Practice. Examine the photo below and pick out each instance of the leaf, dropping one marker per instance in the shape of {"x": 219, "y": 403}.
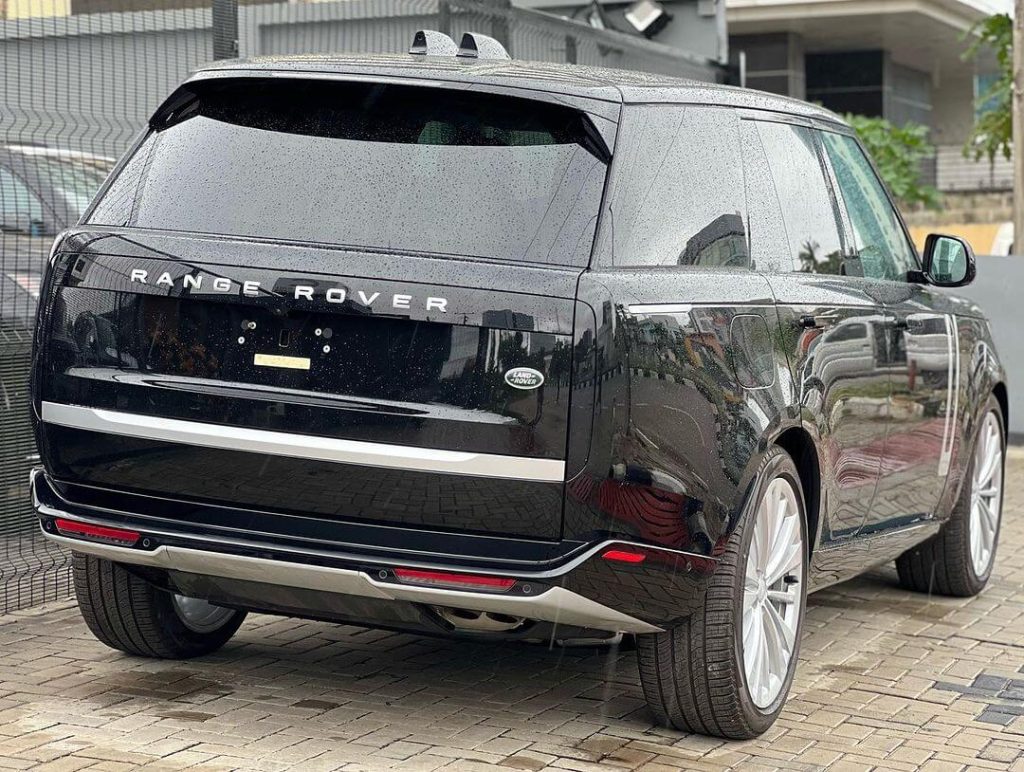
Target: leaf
{"x": 992, "y": 134}
{"x": 899, "y": 152}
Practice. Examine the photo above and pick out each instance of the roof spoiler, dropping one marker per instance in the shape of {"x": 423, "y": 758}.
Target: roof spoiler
{"x": 428, "y": 42}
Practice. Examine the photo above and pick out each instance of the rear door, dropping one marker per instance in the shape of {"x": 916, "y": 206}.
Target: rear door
{"x": 832, "y": 322}
{"x": 921, "y": 337}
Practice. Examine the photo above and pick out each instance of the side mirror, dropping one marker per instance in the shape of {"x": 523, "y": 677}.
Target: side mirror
{"x": 948, "y": 261}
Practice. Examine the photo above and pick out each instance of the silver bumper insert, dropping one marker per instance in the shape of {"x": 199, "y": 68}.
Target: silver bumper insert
{"x": 305, "y": 446}
{"x": 554, "y": 605}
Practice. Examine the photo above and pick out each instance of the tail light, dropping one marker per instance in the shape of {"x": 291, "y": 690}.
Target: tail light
{"x": 453, "y": 581}
{"x": 624, "y": 556}
{"x": 101, "y": 533}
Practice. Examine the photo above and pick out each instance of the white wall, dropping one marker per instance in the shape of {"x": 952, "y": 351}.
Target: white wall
{"x": 952, "y": 106}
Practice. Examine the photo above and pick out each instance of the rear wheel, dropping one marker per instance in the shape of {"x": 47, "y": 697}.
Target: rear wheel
{"x": 726, "y": 671}
{"x": 958, "y": 560}
{"x": 130, "y": 614}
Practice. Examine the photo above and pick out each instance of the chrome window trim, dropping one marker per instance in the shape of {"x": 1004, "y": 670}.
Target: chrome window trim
{"x": 305, "y": 446}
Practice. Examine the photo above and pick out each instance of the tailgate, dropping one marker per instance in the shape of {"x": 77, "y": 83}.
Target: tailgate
{"x": 436, "y": 397}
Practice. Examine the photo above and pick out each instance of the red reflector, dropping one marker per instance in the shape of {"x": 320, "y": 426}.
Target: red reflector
{"x": 444, "y": 579}
{"x": 96, "y": 532}
{"x": 625, "y": 557}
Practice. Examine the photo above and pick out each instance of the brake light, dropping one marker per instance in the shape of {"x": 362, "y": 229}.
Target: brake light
{"x": 445, "y": 579}
{"x": 101, "y": 533}
{"x": 624, "y": 556}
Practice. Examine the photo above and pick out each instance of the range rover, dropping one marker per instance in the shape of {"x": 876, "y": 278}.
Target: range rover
{"x": 451, "y": 344}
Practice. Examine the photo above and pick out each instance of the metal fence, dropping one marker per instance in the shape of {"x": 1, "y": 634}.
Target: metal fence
{"x": 78, "y": 79}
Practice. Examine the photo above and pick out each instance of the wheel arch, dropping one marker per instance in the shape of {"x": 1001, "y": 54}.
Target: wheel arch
{"x": 1002, "y": 395}
{"x": 799, "y": 444}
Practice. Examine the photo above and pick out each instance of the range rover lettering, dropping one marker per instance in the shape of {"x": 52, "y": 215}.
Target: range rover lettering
{"x": 457, "y": 345}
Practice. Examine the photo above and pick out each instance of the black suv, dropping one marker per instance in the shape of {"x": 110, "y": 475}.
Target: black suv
{"x": 451, "y": 344}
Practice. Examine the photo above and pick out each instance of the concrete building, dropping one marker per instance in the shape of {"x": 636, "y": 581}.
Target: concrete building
{"x": 898, "y": 59}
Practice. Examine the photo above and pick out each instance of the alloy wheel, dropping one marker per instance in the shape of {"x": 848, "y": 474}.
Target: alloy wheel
{"x": 986, "y": 494}
{"x": 772, "y": 593}
{"x": 200, "y": 616}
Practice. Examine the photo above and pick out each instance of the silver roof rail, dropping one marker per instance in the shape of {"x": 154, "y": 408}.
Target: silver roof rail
{"x": 477, "y": 46}
{"x": 430, "y": 42}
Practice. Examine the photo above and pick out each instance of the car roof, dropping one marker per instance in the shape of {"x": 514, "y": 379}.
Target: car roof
{"x": 592, "y": 82}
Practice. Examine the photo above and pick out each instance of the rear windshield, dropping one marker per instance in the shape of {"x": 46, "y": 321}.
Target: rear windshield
{"x": 371, "y": 165}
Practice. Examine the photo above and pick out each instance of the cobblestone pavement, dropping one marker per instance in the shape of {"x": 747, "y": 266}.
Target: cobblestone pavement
{"x": 887, "y": 679}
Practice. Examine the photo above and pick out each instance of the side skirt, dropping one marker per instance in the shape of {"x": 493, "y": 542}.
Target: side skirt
{"x": 852, "y": 557}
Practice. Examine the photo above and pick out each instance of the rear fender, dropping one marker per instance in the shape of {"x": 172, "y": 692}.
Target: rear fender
{"x": 692, "y": 385}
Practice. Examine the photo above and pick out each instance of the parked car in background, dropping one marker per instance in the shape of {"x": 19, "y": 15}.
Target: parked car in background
{"x": 458, "y": 345}
{"x": 43, "y": 190}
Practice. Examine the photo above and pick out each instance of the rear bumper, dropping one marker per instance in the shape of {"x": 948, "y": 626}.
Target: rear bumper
{"x": 651, "y": 591}
{"x": 553, "y": 604}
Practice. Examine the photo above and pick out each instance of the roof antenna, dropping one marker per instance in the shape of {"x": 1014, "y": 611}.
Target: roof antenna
{"x": 477, "y": 46}
{"x": 430, "y": 42}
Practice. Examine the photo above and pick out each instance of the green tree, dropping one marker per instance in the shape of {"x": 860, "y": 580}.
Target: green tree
{"x": 898, "y": 153}
{"x": 993, "y": 130}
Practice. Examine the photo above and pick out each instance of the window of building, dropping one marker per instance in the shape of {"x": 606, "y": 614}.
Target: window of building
{"x": 983, "y": 102}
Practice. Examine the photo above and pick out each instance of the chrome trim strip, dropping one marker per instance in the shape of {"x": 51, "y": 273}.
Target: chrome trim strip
{"x": 661, "y": 308}
{"x": 684, "y": 308}
{"x": 576, "y": 558}
{"x": 306, "y": 446}
{"x": 952, "y": 393}
{"x": 554, "y": 605}
{"x": 293, "y": 396}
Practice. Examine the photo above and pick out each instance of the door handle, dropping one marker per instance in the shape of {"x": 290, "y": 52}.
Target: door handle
{"x": 901, "y": 323}
{"x": 815, "y": 321}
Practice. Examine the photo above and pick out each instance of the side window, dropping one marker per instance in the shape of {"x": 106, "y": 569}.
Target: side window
{"x": 20, "y": 210}
{"x": 881, "y": 244}
{"x": 769, "y": 242}
{"x": 804, "y": 234}
{"x": 676, "y": 197}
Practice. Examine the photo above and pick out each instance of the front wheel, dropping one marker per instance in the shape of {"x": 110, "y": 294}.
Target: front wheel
{"x": 726, "y": 671}
{"x": 130, "y": 614}
{"x": 958, "y": 560}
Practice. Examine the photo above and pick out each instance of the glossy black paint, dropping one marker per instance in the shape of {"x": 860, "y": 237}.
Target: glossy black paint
{"x": 665, "y": 383}
{"x": 413, "y": 375}
{"x": 675, "y": 434}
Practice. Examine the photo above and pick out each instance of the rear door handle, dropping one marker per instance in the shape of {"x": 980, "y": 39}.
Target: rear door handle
{"x": 815, "y": 321}
{"x": 901, "y": 323}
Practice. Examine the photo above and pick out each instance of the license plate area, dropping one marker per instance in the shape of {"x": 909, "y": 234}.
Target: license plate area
{"x": 281, "y": 362}
{"x": 290, "y": 349}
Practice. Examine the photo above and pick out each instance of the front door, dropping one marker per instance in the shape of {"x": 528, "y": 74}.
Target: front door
{"x": 923, "y": 410}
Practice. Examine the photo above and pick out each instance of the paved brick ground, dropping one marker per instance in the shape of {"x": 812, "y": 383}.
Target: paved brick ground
{"x": 887, "y": 680}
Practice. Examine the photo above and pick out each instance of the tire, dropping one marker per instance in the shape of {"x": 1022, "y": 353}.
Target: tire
{"x": 132, "y": 615}
{"x": 944, "y": 564}
{"x": 693, "y": 676}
